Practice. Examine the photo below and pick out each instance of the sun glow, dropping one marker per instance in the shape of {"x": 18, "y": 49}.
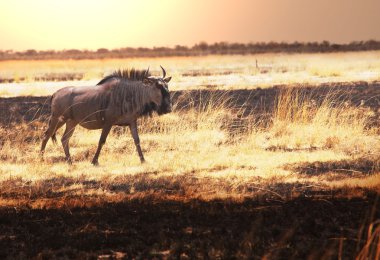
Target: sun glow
{"x": 80, "y": 24}
{"x": 85, "y": 24}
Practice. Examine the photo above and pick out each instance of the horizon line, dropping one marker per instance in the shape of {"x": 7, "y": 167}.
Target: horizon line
{"x": 198, "y": 44}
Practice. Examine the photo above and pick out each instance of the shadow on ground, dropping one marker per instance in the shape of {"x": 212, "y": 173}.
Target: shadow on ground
{"x": 157, "y": 217}
{"x": 146, "y": 228}
{"x": 357, "y": 167}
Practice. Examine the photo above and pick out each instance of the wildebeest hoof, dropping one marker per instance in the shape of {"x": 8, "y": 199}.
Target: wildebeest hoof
{"x": 95, "y": 163}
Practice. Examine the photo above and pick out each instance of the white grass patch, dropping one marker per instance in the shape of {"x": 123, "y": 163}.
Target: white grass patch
{"x": 211, "y": 72}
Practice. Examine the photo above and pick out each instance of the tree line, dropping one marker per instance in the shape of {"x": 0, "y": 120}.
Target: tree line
{"x": 202, "y": 48}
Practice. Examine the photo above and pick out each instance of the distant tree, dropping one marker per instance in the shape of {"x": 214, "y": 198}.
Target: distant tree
{"x": 335, "y": 47}
{"x": 181, "y": 48}
{"x": 325, "y": 43}
{"x": 221, "y": 46}
{"x": 203, "y": 46}
{"x": 72, "y": 51}
{"x": 102, "y": 50}
{"x": 30, "y": 52}
{"x": 143, "y": 49}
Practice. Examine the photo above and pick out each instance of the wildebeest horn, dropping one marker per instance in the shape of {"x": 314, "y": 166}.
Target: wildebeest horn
{"x": 163, "y": 71}
{"x": 146, "y": 73}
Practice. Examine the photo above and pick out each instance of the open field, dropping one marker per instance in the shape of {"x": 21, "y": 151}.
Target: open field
{"x": 40, "y": 78}
{"x": 279, "y": 161}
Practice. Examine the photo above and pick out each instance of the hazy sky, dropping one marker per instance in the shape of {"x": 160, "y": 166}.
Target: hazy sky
{"x": 90, "y": 24}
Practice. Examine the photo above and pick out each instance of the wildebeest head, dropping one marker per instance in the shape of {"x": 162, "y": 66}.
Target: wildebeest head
{"x": 160, "y": 95}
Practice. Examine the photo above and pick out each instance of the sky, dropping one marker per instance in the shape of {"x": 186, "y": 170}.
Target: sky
{"x": 90, "y": 24}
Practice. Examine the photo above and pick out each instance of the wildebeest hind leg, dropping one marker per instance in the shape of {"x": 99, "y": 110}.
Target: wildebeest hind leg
{"x": 61, "y": 122}
{"x": 70, "y": 127}
{"x": 102, "y": 140}
{"x": 54, "y": 124}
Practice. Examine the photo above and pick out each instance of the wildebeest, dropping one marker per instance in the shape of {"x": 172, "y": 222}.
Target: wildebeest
{"x": 118, "y": 99}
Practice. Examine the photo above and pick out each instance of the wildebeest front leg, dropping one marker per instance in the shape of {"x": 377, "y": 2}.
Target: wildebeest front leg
{"x": 102, "y": 140}
{"x": 136, "y": 139}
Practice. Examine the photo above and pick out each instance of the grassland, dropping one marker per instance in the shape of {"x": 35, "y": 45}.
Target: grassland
{"x": 240, "y": 168}
{"x": 204, "y": 72}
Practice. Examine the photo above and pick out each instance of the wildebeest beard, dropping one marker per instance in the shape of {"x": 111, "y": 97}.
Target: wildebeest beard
{"x": 162, "y": 109}
{"x": 151, "y": 107}
{"x": 165, "y": 106}
{"x": 148, "y": 109}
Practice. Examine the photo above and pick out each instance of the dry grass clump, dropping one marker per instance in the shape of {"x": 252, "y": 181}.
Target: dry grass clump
{"x": 307, "y": 120}
{"x": 371, "y": 248}
{"x": 210, "y": 112}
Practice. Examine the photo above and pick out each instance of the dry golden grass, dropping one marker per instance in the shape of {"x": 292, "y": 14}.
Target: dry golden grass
{"x": 191, "y": 153}
{"x": 302, "y": 121}
{"x": 371, "y": 248}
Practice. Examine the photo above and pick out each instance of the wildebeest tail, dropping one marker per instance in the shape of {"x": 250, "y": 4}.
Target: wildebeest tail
{"x": 53, "y": 137}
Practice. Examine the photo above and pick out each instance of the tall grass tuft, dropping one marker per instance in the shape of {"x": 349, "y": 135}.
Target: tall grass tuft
{"x": 304, "y": 119}
{"x": 371, "y": 249}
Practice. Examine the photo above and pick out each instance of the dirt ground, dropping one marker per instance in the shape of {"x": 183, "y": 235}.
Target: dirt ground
{"x": 309, "y": 223}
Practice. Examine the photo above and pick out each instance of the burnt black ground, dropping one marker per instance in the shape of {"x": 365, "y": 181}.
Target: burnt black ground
{"x": 295, "y": 229}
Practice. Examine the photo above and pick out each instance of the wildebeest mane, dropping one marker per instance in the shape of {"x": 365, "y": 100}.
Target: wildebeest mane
{"x": 127, "y": 74}
{"x": 128, "y": 95}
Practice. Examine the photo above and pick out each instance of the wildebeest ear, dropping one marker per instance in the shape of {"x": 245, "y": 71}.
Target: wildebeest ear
{"x": 146, "y": 74}
{"x": 167, "y": 79}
